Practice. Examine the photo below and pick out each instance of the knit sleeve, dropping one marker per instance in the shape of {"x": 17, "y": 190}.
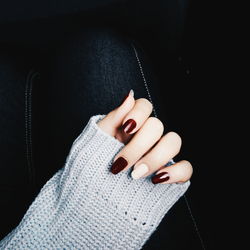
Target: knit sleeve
{"x": 85, "y": 206}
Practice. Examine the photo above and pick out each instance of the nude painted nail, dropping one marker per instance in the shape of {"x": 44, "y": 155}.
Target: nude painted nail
{"x": 139, "y": 171}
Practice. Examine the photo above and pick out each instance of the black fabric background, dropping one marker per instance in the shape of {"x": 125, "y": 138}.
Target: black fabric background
{"x": 184, "y": 47}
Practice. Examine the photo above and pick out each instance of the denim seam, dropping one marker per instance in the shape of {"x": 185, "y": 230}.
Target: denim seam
{"x": 28, "y": 124}
{"x": 149, "y": 96}
{"x": 144, "y": 79}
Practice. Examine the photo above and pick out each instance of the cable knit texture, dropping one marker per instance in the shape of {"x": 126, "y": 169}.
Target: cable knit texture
{"x": 85, "y": 206}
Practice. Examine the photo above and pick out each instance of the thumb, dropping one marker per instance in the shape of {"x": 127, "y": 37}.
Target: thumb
{"x": 113, "y": 120}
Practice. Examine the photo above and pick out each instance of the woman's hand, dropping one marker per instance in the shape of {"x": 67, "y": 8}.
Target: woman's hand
{"x": 146, "y": 147}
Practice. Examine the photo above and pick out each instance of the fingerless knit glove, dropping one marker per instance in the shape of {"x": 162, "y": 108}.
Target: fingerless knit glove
{"x": 85, "y": 206}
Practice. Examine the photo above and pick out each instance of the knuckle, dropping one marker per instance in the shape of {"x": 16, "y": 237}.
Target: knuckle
{"x": 113, "y": 115}
{"x": 176, "y": 137}
{"x": 157, "y": 123}
{"x": 146, "y": 103}
{"x": 187, "y": 169}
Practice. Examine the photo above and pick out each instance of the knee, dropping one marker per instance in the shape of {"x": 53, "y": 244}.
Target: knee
{"x": 101, "y": 45}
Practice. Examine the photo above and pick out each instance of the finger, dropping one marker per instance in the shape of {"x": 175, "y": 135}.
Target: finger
{"x": 137, "y": 116}
{"x": 150, "y": 132}
{"x": 168, "y": 147}
{"x": 113, "y": 120}
{"x": 176, "y": 173}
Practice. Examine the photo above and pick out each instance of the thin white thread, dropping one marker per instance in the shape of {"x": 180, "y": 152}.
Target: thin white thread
{"x": 194, "y": 222}
{"x": 28, "y": 123}
{"x": 144, "y": 80}
{"x": 186, "y": 201}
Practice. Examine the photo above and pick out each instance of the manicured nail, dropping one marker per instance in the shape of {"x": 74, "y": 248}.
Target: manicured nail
{"x": 131, "y": 92}
{"x": 161, "y": 177}
{"x": 139, "y": 171}
{"x": 129, "y": 125}
{"x": 118, "y": 165}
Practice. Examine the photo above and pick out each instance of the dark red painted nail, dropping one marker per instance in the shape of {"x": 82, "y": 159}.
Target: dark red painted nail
{"x": 129, "y": 125}
{"x": 118, "y": 165}
{"x": 161, "y": 177}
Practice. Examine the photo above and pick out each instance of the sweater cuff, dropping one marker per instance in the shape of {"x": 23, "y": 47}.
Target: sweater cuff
{"x": 92, "y": 137}
{"x": 92, "y": 144}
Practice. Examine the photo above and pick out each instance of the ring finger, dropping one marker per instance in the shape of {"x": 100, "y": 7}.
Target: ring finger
{"x": 168, "y": 147}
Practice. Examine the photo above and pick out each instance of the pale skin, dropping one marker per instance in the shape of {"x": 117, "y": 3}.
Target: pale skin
{"x": 146, "y": 148}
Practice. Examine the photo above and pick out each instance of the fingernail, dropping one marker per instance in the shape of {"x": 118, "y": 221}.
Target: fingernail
{"x": 161, "y": 177}
{"x": 139, "y": 171}
{"x": 118, "y": 165}
{"x": 131, "y": 92}
{"x": 129, "y": 125}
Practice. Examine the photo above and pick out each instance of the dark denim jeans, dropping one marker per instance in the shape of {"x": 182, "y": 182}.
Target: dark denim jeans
{"x": 43, "y": 108}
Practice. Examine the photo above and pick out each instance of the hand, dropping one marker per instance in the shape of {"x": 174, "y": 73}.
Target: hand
{"x": 145, "y": 145}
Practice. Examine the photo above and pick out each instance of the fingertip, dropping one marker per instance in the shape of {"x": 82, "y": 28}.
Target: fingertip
{"x": 179, "y": 172}
{"x": 114, "y": 118}
{"x": 132, "y": 93}
{"x": 129, "y": 95}
{"x": 127, "y": 104}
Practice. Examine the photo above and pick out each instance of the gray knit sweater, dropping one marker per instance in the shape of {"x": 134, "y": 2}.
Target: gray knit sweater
{"x": 85, "y": 206}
